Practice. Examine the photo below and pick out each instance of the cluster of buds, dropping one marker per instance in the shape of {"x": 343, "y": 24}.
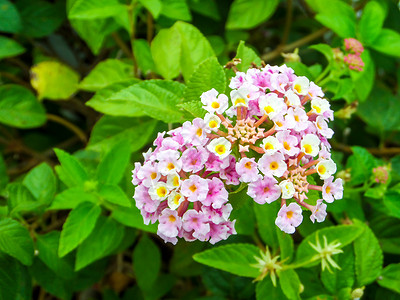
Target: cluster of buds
{"x": 264, "y": 138}
{"x": 354, "y": 50}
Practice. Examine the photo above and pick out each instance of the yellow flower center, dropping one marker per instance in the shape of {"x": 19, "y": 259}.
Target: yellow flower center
{"x": 170, "y": 166}
{"x": 268, "y": 109}
{"x": 297, "y": 87}
{"x": 328, "y": 189}
{"x": 172, "y": 219}
{"x": 268, "y": 146}
{"x": 286, "y": 146}
{"x": 215, "y": 105}
{"x": 297, "y": 118}
{"x": 289, "y": 214}
{"x": 317, "y": 108}
{"x": 220, "y": 149}
{"x": 161, "y": 191}
{"x": 153, "y": 175}
{"x": 213, "y": 124}
{"x": 248, "y": 165}
{"x": 175, "y": 181}
{"x": 240, "y": 100}
{"x": 176, "y": 199}
{"x": 308, "y": 149}
{"x": 321, "y": 169}
{"x": 199, "y": 132}
{"x": 274, "y": 165}
{"x": 193, "y": 188}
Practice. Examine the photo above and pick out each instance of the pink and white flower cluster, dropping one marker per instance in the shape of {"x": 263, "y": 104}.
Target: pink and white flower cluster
{"x": 272, "y": 134}
{"x": 354, "y": 50}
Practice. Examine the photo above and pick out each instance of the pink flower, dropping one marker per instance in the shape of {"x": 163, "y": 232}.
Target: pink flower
{"x": 196, "y": 221}
{"x": 229, "y": 174}
{"x": 170, "y": 223}
{"x": 289, "y": 142}
{"x": 195, "y": 188}
{"x": 169, "y": 162}
{"x": 193, "y": 159}
{"x": 289, "y": 217}
{"x": 354, "y": 62}
{"x": 332, "y": 190}
{"x": 218, "y": 215}
{"x": 212, "y": 103}
{"x": 264, "y": 190}
{"x": 195, "y": 133}
{"x": 217, "y": 194}
{"x": 319, "y": 212}
{"x": 148, "y": 174}
{"x": 247, "y": 170}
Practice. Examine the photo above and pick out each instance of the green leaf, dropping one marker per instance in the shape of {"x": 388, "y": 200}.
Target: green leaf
{"x": 265, "y": 290}
{"x": 246, "y": 14}
{"x": 369, "y": 257}
{"x": 146, "y": 262}
{"x": 364, "y": 81}
{"x": 391, "y": 201}
{"x": 20, "y": 108}
{"x": 300, "y": 69}
{"x": 113, "y": 165}
{"x": 40, "y": 18}
{"x": 3, "y": 174}
{"x": 176, "y": 10}
{"x": 71, "y": 198}
{"x": 114, "y": 194}
{"x": 109, "y": 131}
{"x": 16, "y": 241}
{"x": 106, "y": 73}
{"x": 182, "y": 263}
{"x": 143, "y": 56}
{"x": 166, "y": 52}
{"x": 247, "y": 55}
{"x": 206, "y": 8}
{"x": 21, "y": 201}
{"x": 371, "y": 22}
{"x": 387, "y": 42}
{"x": 266, "y": 215}
{"x": 156, "y": 98}
{"x": 10, "y": 21}
{"x": 290, "y": 283}
{"x": 377, "y": 111}
{"x": 115, "y": 107}
{"x": 78, "y": 226}
{"x": 179, "y": 48}
{"x": 153, "y": 6}
{"x": 47, "y": 246}
{"x": 209, "y": 74}
{"x": 390, "y": 278}
{"x": 344, "y": 234}
{"x": 42, "y": 183}
{"x": 194, "y": 107}
{"x": 286, "y": 245}
{"x": 234, "y": 258}
{"x": 95, "y": 9}
{"x": 344, "y": 278}
{"x": 104, "y": 238}
{"x": 53, "y": 80}
{"x": 15, "y": 280}
{"x": 361, "y": 164}
{"x": 71, "y": 171}
{"x": 338, "y": 16}
{"x": 131, "y": 217}
{"x": 326, "y": 50}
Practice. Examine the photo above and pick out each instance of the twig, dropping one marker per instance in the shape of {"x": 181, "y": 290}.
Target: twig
{"x": 124, "y": 47}
{"x": 75, "y": 129}
{"x": 288, "y": 22}
{"x": 305, "y": 40}
{"x": 150, "y": 27}
{"x": 374, "y": 151}
{"x": 15, "y": 79}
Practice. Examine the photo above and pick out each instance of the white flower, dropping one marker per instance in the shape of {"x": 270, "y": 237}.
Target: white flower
{"x": 220, "y": 146}
{"x": 310, "y": 144}
{"x": 326, "y": 168}
{"x": 175, "y": 199}
{"x": 271, "y": 145}
{"x": 159, "y": 191}
{"x": 287, "y": 188}
{"x": 319, "y": 105}
{"x": 292, "y": 98}
{"x": 301, "y": 85}
{"x": 212, "y": 121}
{"x": 271, "y": 105}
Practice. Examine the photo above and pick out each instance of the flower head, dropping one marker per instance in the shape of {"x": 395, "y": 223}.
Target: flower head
{"x": 325, "y": 253}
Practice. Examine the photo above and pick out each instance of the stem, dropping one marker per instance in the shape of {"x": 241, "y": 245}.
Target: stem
{"x": 315, "y": 187}
{"x": 259, "y": 122}
{"x": 288, "y": 22}
{"x": 124, "y": 47}
{"x": 150, "y": 27}
{"x": 75, "y": 129}
{"x": 257, "y": 149}
{"x": 323, "y": 74}
{"x": 269, "y": 132}
{"x": 132, "y": 23}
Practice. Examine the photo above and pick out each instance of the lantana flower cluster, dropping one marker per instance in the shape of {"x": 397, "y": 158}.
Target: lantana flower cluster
{"x": 271, "y": 135}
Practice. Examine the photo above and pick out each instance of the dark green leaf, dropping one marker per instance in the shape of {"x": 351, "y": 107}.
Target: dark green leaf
{"x": 182, "y": 263}
{"x": 104, "y": 238}
{"x": 176, "y": 10}
{"x": 16, "y": 241}
{"x": 246, "y": 14}
{"x": 95, "y": 9}
{"x": 364, "y": 81}
{"x": 41, "y": 182}
{"x": 10, "y": 21}
{"x": 206, "y": 8}
{"x": 78, "y": 226}
{"x": 286, "y": 245}
{"x": 153, "y": 6}
{"x": 21, "y": 201}
{"x": 3, "y": 174}
{"x": 266, "y": 215}
{"x": 265, "y": 290}
{"x": 235, "y": 258}
{"x": 194, "y": 107}
{"x": 361, "y": 164}
{"x": 20, "y": 108}
{"x": 71, "y": 198}
{"x": 15, "y": 280}
{"x": 143, "y": 56}
{"x": 131, "y": 217}
{"x": 392, "y": 202}
{"x": 146, "y": 263}
{"x": 390, "y": 277}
